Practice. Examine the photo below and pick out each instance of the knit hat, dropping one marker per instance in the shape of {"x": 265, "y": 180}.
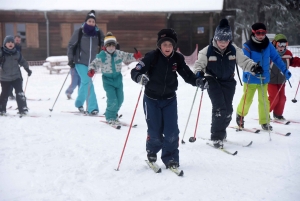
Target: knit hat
{"x": 91, "y": 14}
{"x": 280, "y": 38}
{"x": 167, "y": 35}
{"x": 258, "y": 26}
{"x": 223, "y": 31}
{"x": 110, "y": 38}
{"x": 7, "y": 39}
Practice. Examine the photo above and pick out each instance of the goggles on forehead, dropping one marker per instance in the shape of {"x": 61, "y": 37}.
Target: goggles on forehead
{"x": 259, "y": 32}
{"x": 282, "y": 44}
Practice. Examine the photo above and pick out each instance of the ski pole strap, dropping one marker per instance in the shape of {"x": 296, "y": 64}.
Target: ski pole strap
{"x": 237, "y": 69}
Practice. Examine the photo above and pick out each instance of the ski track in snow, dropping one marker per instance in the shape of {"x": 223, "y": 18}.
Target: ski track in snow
{"x": 67, "y": 157}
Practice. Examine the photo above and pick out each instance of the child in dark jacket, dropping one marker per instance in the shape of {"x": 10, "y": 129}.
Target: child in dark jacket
{"x": 276, "y": 86}
{"x": 10, "y": 75}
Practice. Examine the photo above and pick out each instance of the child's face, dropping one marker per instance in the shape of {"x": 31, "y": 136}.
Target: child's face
{"x": 260, "y": 34}
{"x": 280, "y": 46}
{"x": 166, "y": 48}
{"x": 9, "y": 45}
{"x": 222, "y": 44}
{"x": 91, "y": 22}
{"x": 17, "y": 40}
{"x": 110, "y": 47}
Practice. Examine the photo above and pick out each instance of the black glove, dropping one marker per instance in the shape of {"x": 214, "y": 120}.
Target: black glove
{"x": 29, "y": 72}
{"x": 257, "y": 69}
{"x": 71, "y": 64}
{"x": 142, "y": 79}
{"x": 201, "y": 83}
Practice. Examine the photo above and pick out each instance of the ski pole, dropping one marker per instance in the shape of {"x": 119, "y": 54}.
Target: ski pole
{"x": 266, "y": 112}
{"x": 295, "y": 100}
{"x": 277, "y": 94}
{"x": 26, "y": 85}
{"x": 182, "y": 141}
{"x": 129, "y": 129}
{"x": 59, "y": 92}
{"x": 240, "y": 124}
{"x": 193, "y": 139}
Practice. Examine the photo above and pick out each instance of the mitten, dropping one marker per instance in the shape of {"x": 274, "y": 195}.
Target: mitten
{"x": 257, "y": 69}
{"x": 71, "y": 64}
{"x": 287, "y": 74}
{"x": 142, "y": 79}
{"x": 91, "y": 73}
{"x": 137, "y": 55}
{"x": 29, "y": 72}
{"x": 202, "y": 83}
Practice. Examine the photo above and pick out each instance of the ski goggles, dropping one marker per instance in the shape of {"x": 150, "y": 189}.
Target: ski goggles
{"x": 110, "y": 44}
{"x": 259, "y": 32}
{"x": 281, "y": 44}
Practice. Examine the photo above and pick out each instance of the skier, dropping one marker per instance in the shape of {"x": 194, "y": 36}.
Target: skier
{"x": 157, "y": 71}
{"x": 215, "y": 66}
{"x": 110, "y": 62}
{"x": 10, "y": 75}
{"x": 261, "y": 50}
{"x": 276, "y": 86}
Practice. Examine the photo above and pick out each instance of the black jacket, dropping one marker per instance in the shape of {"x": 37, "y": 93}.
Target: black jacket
{"x": 162, "y": 72}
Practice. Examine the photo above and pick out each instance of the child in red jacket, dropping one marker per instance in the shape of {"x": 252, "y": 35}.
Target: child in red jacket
{"x": 277, "y": 80}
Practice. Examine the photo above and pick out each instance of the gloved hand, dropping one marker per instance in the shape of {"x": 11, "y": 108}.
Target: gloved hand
{"x": 91, "y": 73}
{"x": 142, "y": 79}
{"x": 137, "y": 55}
{"x": 201, "y": 83}
{"x": 257, "y": 69}
{"x": 71, "y": 64}
{"x": 287, "y": 74}
{"x": 200, "y": 74}
{"x": 29, "y": 72}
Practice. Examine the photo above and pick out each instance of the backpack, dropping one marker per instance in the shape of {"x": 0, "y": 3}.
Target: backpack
{"x": 79, "y": 40}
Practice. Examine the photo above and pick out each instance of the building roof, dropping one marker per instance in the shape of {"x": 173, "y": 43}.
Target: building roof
{"x": 115, "y": 5}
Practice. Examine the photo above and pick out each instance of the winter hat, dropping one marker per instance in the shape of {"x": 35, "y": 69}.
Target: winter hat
{"x": 167, "y": 35}
{"x": 91, "y": 14}
{"x": 7, "y": 39}
{"x": 110, "y": 38}
{"x": 280, "y": 38}
{"x": 258, "y": 26}
{"x": 223, "y": 31}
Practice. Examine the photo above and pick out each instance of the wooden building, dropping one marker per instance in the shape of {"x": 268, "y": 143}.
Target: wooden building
{"x": 47, "y": 33}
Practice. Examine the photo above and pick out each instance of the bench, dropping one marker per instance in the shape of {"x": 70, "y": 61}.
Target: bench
{"x": 56, "y": 64}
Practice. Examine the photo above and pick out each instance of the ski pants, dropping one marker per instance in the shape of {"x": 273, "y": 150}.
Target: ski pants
{"x": 163, "y": 132}
{"x": 75, "y": 81}
{"x": 86, "y": 90}
{"x": 20, "y": 96}
{"x": 221, "y": 96}
{"x": 277, "y": 104}
{"x": 247, "y": 99}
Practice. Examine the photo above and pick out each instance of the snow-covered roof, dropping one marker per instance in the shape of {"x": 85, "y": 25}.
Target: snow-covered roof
{"x": 115, "y": 5}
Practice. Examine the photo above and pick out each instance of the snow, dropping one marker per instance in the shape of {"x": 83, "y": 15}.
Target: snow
{"x": 57, "y": 59}
{"x": 116, "y": 5}
{"x": 64, "y": 157}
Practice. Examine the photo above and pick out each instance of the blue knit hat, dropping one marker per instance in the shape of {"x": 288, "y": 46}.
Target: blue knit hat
{"x": 223, "y": 31}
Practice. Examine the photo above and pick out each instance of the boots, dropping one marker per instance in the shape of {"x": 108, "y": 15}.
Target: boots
{"x": 240, "y": 121}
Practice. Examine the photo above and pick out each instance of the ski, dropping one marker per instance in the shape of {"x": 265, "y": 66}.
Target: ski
{"x": 126, "y": 124}
{"x": 38, "y": 99}
{"x": 279, "y": 133}
{"x": 87, "y": 114}
{"x": 297, "y": 122}
{"x": 222, "y": 149}
{"x": 244, "y": 129}
{"x": 76, "y": 112}
{"x": 153, "y": 166}
{"x": 231, "y": 142}
{"x": 10, "y": 107}
{"x": 281, "y": 122}
{"x": 177, "y": 171}
{"x": 114, "y": 126}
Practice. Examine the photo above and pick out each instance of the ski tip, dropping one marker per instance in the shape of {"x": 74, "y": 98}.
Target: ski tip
{"x": 159, "y": 170}
{"x": 235, "y": 153}
{"x": 287, "y": 123}
{"x": 181, "y": 173}
{"x": 248, "y": 145}
{"x": 118, "y": 127}
{"x": 257, "y": 131}
{"x": 288, "y": 134}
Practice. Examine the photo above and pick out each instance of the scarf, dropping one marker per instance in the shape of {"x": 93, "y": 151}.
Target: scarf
{"x": 9, "y": 51}
{"x": 89, "y": 30}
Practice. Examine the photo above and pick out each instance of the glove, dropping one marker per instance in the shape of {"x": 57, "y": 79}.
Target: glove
{"x": 200, "y": 74}
{"x": 287, "y": 74}
{"x": 257, "y": 69}
{"x": 91, "y": 73}
{"x": 137, "y": 55}
{"x": 29, "y": 72}
{"x": 71, "y": 64}
{"x": 202, "y": 83}
{"x": 142, "y": 79}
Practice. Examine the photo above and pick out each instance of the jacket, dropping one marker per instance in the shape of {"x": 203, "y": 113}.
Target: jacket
{"x": 162, "y": 74}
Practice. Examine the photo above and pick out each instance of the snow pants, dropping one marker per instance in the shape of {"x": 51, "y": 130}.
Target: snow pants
{"x": 277, "y": 103}
{"x": 221, "y": 96}
{"x": 262, "y": 102}
{"x": 20, "y": 96}
{"x": 75, "y": 81}
{"x": 163, "y": 132}
{"x": 86, "y": 90}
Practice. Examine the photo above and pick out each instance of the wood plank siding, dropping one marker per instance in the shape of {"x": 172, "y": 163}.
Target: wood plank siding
{"x": 132, "y": 29}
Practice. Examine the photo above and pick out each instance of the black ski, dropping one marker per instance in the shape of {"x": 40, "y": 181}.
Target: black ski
{"x": 222, "y": 149}
{"x": 114, "y": 126}
{"x": 153, "y": 166}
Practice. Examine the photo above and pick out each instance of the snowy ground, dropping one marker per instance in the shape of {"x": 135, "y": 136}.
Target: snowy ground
{"x": 73, "y": 158}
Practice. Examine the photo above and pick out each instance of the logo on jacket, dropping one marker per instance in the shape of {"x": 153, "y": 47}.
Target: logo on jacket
{"x": 174, "y": 67}
{"x": 140, "y": 65}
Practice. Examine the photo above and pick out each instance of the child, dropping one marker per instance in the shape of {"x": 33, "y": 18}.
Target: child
{"x": 215, "y": 66}
{"x": 10, "y": 75}
{"x": 276, "y": 85}
{"x": 110, "y": 62}
{"x": 261, "y": 50}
